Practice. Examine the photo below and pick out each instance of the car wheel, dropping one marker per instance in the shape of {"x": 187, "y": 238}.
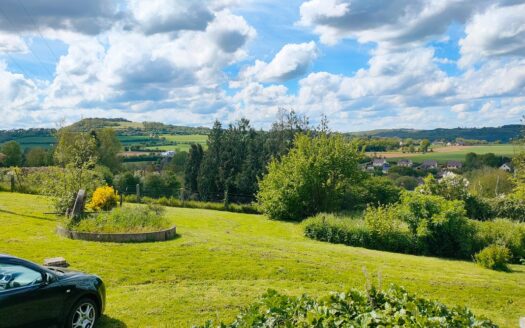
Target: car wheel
{"x": 83, "y": 314}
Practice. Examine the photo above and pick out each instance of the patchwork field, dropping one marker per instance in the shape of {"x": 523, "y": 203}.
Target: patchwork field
{"x": 223, "y": 261}
{"x": 443, "y": 154}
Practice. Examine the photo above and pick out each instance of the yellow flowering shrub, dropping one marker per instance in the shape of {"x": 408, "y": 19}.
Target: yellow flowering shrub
{"x": 104, "y": 198}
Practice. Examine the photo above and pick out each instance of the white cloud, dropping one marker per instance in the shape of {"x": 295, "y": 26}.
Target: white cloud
{"x": 499, "y": 31}
{"x": 292, "y": 61}
{"x": 10, "y": 43}
{"x": 391, "y": 23}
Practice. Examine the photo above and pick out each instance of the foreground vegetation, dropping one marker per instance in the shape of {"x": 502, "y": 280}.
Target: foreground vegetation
{"x": 393, "y": 307}
{"x": 223, "y": 261}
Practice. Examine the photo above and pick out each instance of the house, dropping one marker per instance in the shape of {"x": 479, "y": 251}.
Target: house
{"x": 169, "y": 153}
{"x": 429, "y": 164}
{"x": 454, "y": 165}
{"x": 505, "y": 167}
{"x": 405, "y": 163}
{"x": 385, "y": 168}
{"x": 379, "y": 162}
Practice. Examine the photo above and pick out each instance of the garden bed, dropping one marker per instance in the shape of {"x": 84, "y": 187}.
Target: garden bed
{"x": 161, "y": 235}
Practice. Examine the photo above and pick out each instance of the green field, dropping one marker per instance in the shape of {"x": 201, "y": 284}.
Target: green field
{"x": 183, "y": 142}
{"x": 223, "y": 261}
{"x": 442, "y": 155}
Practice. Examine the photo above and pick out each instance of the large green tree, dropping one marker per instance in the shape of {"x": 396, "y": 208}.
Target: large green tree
{"x": 313, "y": 177}
{"x": 13, "y": 153}
{"x": 191, "y": 172}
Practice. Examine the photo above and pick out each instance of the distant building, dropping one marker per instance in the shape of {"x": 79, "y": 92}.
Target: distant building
{"x": 385, "y": 168}
{"x": 405, "y": 163}
{"x": 454, "y": 165}
{"x": 379, "y": 162}
{"x": 429, "y": 164}
{"x": 169, "y": 153}
{"x": 505, "y": 167}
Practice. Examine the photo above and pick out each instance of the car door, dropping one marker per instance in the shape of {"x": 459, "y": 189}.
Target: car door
{"x": 28, "y": 297}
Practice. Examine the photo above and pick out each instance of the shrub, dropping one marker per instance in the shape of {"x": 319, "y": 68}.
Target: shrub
{"x": 440, "y": 225}
{"x": 104, "y": 198}
{"x": 494, "y": 257}
{"x": 125, "y": 220}
{"x": 502, "y": 232}
{"x": 394, "y": 307}
{"x": 508, "y": 207}
{"x": 372, "y": 191}
{"x": 353, "y": 231}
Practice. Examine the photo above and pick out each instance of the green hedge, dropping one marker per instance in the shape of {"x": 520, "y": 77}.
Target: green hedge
{"x": 175, "y": 202}
{"x": 394, "y": 307}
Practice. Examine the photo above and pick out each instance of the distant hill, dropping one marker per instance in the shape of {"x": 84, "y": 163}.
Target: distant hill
{"x": 505, "y": 133}
{"x": 126, "y": 127}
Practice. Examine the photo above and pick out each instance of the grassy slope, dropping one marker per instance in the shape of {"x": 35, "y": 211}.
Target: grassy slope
{"x": 222, "y": 261}
{"x": 459, "y": 155}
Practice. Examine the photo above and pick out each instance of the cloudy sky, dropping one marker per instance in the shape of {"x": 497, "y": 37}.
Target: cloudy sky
{"x": 365, "y": 64}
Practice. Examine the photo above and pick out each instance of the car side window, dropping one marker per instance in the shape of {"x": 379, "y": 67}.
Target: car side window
{"x": 15, "y": 276}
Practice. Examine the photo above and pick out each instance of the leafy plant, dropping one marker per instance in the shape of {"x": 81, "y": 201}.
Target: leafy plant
{"x": 394, "y": 307}
{"x": 494, "y": 257}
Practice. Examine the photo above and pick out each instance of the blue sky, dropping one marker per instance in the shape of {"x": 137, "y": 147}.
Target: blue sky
{"x": 365, "y": 64}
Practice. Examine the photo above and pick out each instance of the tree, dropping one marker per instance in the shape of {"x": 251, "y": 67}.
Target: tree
{"x": 108, "y": 147}
{"x": 191, "y": 172}
{"x": 13, "y": 153}
{"x": 423, "y": 146}
{"x": 36, "y": 157}
{"x": 311, "y": 178}
{"x": 490, "y": 182}
{"x": 209, "y": 180}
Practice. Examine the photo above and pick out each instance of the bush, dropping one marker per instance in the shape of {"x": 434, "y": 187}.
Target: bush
{"x": 494, "y": 257}
{"x": 104, "y": 198}
{"x": 124, "y": 220}
{"x": 372, "y": 191}
{"x": 394, "y": 307}
{"x": 353, "y": 231}
{"x": 440, "y": 225}
{"x": 508, "y": 207}
{"x": 502, "y": 232}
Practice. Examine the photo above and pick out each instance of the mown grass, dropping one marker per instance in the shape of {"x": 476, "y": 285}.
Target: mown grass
{"x": 223, "y": 261}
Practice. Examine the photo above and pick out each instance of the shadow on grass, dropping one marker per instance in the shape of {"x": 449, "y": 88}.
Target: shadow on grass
{"x": 27, "y": 215}
{"x": 109, "y": 322}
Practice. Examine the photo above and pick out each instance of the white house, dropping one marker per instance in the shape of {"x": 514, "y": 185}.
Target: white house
{"x": 169, "y": 153}
{"x": 405, "y": 163}
{"x": 506, "y": 167}
{"x": 379, "y": 162}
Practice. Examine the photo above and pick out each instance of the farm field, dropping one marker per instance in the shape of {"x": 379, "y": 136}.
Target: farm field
{"x": 183, "y": 142}
{"x": 443, "y": 154}
{"x": 222, "y": 261}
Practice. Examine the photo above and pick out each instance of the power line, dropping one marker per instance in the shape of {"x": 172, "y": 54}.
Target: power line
{"x": 29, "y": 47}
{"x": 31, "y": 18}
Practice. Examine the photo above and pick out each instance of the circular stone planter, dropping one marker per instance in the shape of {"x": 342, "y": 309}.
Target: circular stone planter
{"x": 161, "y": 235}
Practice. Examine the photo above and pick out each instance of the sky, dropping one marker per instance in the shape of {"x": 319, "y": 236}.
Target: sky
{"x": 365, "y": 64}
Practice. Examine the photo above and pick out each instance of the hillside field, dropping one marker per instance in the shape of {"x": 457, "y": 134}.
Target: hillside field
{"x": 223, "y": 261}
{"x": 443, "y": 154}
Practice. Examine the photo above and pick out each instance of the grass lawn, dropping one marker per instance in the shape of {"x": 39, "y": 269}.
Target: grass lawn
{"x": 223, "y": 261}
{"x": 455, "y": 153}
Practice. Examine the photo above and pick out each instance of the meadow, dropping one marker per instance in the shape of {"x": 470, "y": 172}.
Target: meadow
{"x": 443, "y": 154}
{"x": 222, "y": 261}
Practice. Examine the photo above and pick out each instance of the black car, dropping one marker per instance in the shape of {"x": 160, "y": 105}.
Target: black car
{"x": 35, "y": 296}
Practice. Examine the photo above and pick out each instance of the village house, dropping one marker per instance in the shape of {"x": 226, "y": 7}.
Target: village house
{"x": 506, "y": 167}
{"x": 405, "y": 163}
{"x": 379, "y": 162}
{"x": 429, "y": 164}
{"x": 454, "y": 165}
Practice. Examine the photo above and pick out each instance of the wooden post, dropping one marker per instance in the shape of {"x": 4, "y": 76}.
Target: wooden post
{"x": 78, "y": 208}
{"x": 121, "y": 199}
{"x": 138, "y": 193}
{"x": 12, "y": 183}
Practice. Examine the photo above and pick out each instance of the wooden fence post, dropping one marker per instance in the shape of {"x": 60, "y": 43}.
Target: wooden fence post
{"x": 12, "y": 183}
{"x": 138, "y": 193}
{"x": 121, "y": 199}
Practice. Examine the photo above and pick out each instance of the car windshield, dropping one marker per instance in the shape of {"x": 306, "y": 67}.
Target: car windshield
{"x": 14, "y": 276}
